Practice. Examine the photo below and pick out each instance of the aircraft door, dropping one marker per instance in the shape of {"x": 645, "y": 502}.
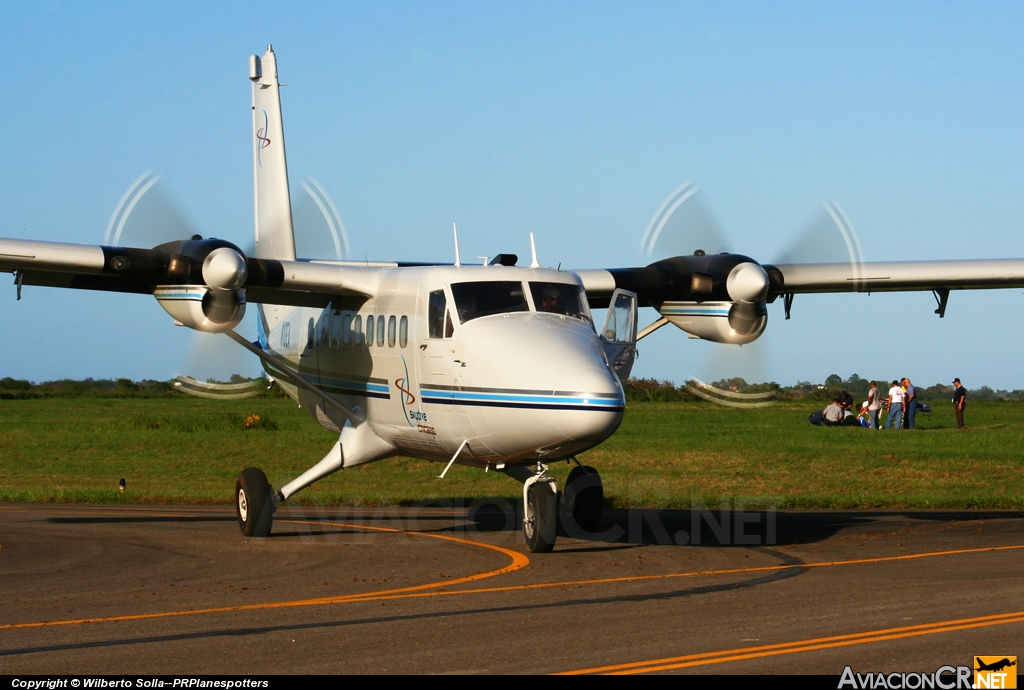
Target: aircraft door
{"x": 618, "y": 335}
{"x": 436, "y": 356}
{"x": 309, "y": 365}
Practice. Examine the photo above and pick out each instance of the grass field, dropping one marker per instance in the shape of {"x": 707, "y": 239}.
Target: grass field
{"x": 184, "y": 450}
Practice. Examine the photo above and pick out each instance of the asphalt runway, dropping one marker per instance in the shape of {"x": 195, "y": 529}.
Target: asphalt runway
{"x": 178, "y": 590}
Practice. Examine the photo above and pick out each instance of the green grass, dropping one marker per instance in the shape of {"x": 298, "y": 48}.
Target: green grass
{"x": 184, "y": 450}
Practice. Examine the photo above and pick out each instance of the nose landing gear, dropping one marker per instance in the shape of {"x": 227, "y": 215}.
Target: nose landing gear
{"x": 540, "y": 511}
{"x": 578, "y": 508}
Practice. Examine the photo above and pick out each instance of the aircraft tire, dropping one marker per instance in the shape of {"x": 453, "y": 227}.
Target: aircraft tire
{"x": 254, "y": 505}
{"x": 583, "y": 500}
{"x": 540, "y": 523}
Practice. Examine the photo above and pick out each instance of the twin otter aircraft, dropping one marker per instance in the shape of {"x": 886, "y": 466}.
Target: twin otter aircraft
{"x": 492, "y": 366}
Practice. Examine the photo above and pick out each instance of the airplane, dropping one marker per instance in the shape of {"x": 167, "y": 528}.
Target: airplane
{"x": 994, "y": 666}
{"x": 494, "y": 366}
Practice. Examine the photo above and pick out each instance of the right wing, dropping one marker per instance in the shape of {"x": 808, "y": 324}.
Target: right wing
{"x": 141, "y": 271}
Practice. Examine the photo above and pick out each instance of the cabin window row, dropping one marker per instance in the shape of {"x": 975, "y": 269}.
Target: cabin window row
{"x": 347, "y": 330}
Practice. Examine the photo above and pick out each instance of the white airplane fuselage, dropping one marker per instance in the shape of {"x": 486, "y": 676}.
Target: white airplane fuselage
{"x": 517, "y": 386}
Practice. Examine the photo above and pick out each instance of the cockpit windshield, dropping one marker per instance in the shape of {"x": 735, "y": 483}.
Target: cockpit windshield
{"x": 559, "y": 298}
{"x": 473, "y": 300}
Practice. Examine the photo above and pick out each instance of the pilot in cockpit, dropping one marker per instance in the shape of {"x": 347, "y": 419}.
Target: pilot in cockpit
{"x": 549, "y": 300}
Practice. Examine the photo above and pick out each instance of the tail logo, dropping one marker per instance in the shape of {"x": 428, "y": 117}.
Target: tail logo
{"x": 261, "y": 136}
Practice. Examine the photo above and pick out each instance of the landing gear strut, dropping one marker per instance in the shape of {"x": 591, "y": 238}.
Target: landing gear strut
{"x": 254, "y": 503}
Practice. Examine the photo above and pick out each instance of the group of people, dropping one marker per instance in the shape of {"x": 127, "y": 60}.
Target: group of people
{"x": 902, "y": 403}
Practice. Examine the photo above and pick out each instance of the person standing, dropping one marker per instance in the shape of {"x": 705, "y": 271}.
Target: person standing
{"x": 874, "y": 405}
{"x": 911, "y": 403}
{"x": 959, "y": 401}
{"x": 896, "y": 396}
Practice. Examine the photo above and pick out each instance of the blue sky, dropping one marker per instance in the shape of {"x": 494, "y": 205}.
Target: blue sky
{"x": 570, "y": 120}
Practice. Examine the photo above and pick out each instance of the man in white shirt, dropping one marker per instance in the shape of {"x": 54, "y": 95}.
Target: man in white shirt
{"x": 896, "y": 396}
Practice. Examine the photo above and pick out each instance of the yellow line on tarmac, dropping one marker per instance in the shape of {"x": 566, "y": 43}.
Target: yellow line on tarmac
{"x": 518, "y": 561}
{"x": 704, "y": 659}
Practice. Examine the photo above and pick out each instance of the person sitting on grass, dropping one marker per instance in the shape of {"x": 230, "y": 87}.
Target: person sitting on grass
{"x": 833, "y": 414}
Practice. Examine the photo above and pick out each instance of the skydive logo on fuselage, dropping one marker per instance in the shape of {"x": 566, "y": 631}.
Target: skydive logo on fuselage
{"x": 995, "y": 672}
{"x": 406, "y": 398}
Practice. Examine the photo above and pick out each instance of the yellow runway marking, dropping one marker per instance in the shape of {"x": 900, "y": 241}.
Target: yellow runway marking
{"x": 518, "y": 561}
{"x": 691, "y": 660}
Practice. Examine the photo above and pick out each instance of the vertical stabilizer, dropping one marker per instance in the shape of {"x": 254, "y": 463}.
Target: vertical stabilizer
{"x": 274, "y": 236}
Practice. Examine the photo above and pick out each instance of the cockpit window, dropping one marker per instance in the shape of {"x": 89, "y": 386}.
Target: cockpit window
{"x": 473, "y": 300}
{"x": 559, "y": 298}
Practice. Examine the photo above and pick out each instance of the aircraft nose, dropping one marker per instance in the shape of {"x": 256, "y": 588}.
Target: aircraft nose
{"x": 551, "y": 371}
{"x": 538, "y": 352}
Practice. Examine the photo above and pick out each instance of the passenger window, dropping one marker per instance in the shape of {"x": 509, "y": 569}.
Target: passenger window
{"x": 403, "y": 332}
{"x": 346, "y": 329}
{"x": 392, "y": 327}
{"x": 369, "y": 330}
{"x": 357, "y": 330}
{"x": 435, "y": 314}
{"x": 380, "y": 331}
{"x": 449, "y": 329}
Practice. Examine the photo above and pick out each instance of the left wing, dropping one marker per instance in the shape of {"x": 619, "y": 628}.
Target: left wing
{"x": 709, "y": 278}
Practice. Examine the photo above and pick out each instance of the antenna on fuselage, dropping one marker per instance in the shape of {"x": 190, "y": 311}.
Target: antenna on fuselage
{"x": 458, "y": 261}
{"x": 533, "y": 251}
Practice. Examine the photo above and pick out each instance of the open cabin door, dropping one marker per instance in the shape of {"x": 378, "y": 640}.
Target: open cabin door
{"x": 618, "y": 336}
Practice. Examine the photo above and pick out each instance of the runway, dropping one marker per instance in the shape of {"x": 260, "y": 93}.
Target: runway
{"x": 178, "y": 590}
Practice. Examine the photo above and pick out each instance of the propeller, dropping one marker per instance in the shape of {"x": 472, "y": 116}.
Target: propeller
{"x": 684, "y": 226}
{"x": 148, "y": 216}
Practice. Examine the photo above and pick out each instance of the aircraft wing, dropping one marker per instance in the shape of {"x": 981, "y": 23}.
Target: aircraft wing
{"x": 141, "y": 271}
{"x": 693, "y": 278}
{"x": 892, "y": 276}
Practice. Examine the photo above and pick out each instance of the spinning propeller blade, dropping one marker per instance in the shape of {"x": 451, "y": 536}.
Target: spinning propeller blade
{"x": 684, "y": 224}
{"x": 147, "y": 216}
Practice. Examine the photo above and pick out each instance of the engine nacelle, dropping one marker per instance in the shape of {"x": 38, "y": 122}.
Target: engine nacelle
{"x": 212, "y": 310}
{"x": 203, "y": 284}
{"x": 735, "y": 323}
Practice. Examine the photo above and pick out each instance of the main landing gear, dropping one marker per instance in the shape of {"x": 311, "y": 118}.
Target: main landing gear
{"x": 254, "y": 502}
{"x": 578, "y": 508}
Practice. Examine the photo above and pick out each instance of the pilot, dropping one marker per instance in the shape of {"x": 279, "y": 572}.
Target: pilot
{"x": 548, "y": 300}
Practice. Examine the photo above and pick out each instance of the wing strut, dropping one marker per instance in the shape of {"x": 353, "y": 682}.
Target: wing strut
{"x": 282, "y": 369}
{"x": 653, "y": 327}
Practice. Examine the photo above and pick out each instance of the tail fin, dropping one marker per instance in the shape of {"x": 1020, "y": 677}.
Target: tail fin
{"x": 275, "y": 238}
